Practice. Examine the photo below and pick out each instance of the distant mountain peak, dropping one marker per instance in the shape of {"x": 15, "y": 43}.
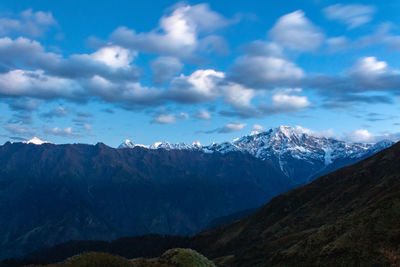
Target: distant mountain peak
{"x": 129, "y": 144}
{"x": 35, "y": 141}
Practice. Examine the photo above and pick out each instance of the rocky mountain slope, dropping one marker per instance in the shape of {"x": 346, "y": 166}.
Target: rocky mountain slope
{"x": 54, "y": 193}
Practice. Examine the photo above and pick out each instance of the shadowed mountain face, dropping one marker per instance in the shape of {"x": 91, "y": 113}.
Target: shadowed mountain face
{"x": 54, "y": 193}
{"x": 347, "y": 218}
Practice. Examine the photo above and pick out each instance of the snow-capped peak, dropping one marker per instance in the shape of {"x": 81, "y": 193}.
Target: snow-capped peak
{"x": 129, "y": 144}
{"x": 35, "y": 141}
{"x": 196, "y": 144}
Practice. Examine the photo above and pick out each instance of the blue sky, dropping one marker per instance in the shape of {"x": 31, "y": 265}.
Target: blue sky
{"x": 105, "y": 71}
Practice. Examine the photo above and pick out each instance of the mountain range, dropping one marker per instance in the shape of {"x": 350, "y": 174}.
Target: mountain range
{"x": 54, "y": 193}
{"x": 300, "y": 155}
{"x": 349, "y": 217}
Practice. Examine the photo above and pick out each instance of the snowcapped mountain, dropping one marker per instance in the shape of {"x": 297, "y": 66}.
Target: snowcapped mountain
{"x": 35, "y": 141}
{"x": 296, "y": 153}
{"x": 163, "y": 145}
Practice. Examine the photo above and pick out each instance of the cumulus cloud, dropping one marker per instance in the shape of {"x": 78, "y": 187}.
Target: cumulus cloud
{"x": 200, "y": 86}
{"x": 164, "y": 68}
{"x": 353, "y": 15}
{"x": 236, "y": 95}
{"x": 130, "y": 95}
{"x": 287, "y": 102}
{"x": 179, "y": 33}
{"x": 361, "y": 135}
{"x": 369, "y": 81}
{"x": 323, "y": 133}
{"x": 28, "y": 23}
{"x": 371, "y": 74}
{"x": 297, "y": 32}
{"x": 37, "y": 84}
{"x": 265, "y": 71}
{"x": 111, "y": 62}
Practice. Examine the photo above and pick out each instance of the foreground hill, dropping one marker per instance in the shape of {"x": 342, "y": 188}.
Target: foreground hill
{"x": 54, "y": 193}
{"x": 177, "y": 257}
{"x": 350, "y": 217}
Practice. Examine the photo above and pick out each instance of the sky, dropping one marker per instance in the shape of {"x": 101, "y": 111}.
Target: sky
{"x": 148, "y": 71}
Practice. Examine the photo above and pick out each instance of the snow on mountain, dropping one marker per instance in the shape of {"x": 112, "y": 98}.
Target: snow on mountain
{"x": 297, "y": 153}
{"x": 129, "y": 144}
{"x": 279, "y": 142}
{"x": 35, "y": 141}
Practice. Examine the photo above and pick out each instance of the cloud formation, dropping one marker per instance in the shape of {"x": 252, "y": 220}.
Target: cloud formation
{"x": 180, "y": 34}
{"x": 353, "y": 15}
{"x": 297, "y": 32}
{"x": 164, "y": 68}
{"x": 28, "y": 22}
{"x": 203, "y": 115}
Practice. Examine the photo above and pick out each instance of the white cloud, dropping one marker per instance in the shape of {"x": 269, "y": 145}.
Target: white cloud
{"x": 203, "y": 115}
{"x": 265, "y": 71}
{"x": 66, "y": 132}
{"x": 353, "y": 15}
{"x": 165, "y": 119}
{"x": 232, "y": 127}
{"x": 258, "y": 127}
{"x": 324, "y": 133}
{"x": 28, "y": 23}
{"x": 361, "y": 135}
{"x": 200, "y": 86}
{"x": 287, "y": 102}
{"x": 36, "y": 84}
{"x": 371, "y": 74}
{"x": 296, "y": 32}
{"x": 114, "y": 56}
{"x": 369, "y": 66}
{"x": 237, "y": 95}
{"x": 178, "y": 33}
{"x": 129, "y": 94}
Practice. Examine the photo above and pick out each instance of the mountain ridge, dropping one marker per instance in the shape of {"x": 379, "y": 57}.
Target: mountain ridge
{"x": 290, "y": 149}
